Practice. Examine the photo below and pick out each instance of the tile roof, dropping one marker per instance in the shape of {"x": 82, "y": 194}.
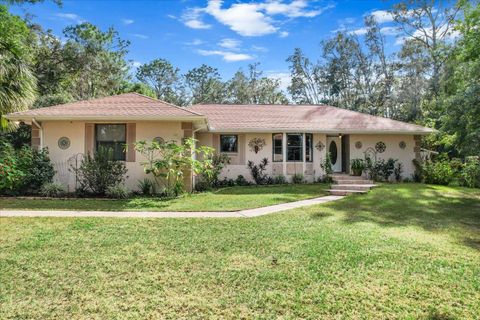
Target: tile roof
{"x": 121, "y": 106}
{"x": 314, "y": 118}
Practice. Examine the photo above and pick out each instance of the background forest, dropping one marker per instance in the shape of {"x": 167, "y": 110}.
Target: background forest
{"x": 433, "y": 80}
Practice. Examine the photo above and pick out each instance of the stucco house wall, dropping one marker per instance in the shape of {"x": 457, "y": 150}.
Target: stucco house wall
{"x": 393, "y": 150}
{"x": 52, "y": 131}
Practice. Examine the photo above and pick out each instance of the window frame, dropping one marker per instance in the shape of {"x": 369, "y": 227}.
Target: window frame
{"x": 236, "y": 143}
{"x": 273, "y": 147}
{"x": 96, "y": 144}
{"x": 309, "y": 148}
{"x": 301, "y": 147}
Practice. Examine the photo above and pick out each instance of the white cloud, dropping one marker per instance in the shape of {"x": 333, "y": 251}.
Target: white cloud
{"x": 382, "y": 16}
{"x": 226, "y": 55}
{"x": 192, "y": 19}
{"x": 139, "y": 35}
{"x": 231, "y": 44}
{"x": 70, "y": 16}
{"x": 259, "y": 48}
{"x": 283, "y": 34}
{"x": 250, "y": 19}
{"x": 284, "y": 77}
{"x": 360, "y": 31}
{"x": 244, "y": 18}
{"x": 390, "y": 31}
{"x": 195, "y": 42}
{"x": 127, "y": 21}
{"x": 136, "y": 64}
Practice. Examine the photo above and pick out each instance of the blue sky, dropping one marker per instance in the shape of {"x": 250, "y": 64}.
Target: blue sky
{"x": 224, "y": 34}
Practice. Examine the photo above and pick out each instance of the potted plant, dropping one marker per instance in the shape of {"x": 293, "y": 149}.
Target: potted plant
{"x": 357, "y": 165}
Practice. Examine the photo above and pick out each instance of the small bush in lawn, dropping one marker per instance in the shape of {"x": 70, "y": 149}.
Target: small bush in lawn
{"x": 298, "y": 178}
{"x": 281, "y": 179}
{"x": 53, "y": 190}
{"x": 146, "y": 187}
{"x": 116, "y": 192}
{"x": 438, "y": 172}
{"x": 397, "y": 171}
{"x": 241, "y": 181}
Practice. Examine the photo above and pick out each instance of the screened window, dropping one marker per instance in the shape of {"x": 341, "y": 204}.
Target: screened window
{"x": 277, "y": 147}
{"x": 294, "y": 147}
{"x": 111, "y": 136}
{"x": 308, "y": 147}
{"x": 228, "y": 143}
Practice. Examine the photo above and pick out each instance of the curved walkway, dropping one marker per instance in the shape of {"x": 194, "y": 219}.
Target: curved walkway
{"x": 250, "y": 213}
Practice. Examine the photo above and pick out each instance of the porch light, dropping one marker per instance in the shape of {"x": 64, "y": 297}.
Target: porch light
{"x": 340, "y": 136}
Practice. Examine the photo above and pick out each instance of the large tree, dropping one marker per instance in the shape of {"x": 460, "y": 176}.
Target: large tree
{"x": 205, "y": 85}
{"x": 17, "y": 82}
{"x": 165, "y": 79}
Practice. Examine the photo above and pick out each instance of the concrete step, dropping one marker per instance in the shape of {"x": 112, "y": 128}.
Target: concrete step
{"x": 345, "y": 192}
{"x": 353, "y": 181}
{"x": 360, "y": 187}
{"x": 346, "y": 177}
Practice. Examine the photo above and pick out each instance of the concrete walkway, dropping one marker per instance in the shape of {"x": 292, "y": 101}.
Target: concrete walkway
{"x": 250, "y": 213}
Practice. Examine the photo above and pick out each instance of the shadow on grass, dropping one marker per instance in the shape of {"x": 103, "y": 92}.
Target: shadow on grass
{"x": 433, "y": 208}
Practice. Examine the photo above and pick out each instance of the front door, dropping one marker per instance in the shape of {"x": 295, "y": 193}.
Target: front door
{"x": 334, "y": 146}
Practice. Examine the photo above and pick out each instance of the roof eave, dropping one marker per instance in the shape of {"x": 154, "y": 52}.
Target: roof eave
{"x": 343, "y": 131}
{"x": 19, "y": 117}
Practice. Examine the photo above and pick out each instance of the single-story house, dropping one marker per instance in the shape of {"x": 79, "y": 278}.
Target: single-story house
{"x": 294, "y": 138}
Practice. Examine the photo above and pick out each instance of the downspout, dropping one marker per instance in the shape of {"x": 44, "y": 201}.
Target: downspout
{"x": 40, "y": 129}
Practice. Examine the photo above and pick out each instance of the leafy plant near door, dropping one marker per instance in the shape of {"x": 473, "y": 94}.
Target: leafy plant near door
{"x": 326, "y": 164}
{"x": 357, "y": 166}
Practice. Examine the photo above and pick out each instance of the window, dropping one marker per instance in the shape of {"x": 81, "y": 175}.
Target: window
{"x": 308, "y": 147}
{"x": 294, "y": 147}
{"x": 111, "y": 136}
{"x": 277, "y": 147}
{"x": 229, "y": 143}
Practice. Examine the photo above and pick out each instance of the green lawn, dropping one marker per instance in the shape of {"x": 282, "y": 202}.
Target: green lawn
{"x": 227, "y": 199}
{"x": 403, "y": 251}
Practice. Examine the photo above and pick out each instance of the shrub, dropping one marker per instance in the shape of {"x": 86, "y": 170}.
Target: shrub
{"x": 116, "y": 192}
{"x": 258, "y": 171}
{"x": 357, "y": 165}
{"x": 381, "y": 169}
{"x": 438, "y": 172}
{"x": 146, "y": 187}
{"x": 325, "y": 179}
{"x": 226, "y": 183}
{"x": 419, "y": 173}
{"x": 281, "y": 179}
{"x": 167, "y": 162}
{"x": 202, "y": 186}
{"x": 216, "y": 165}
{"x": 241, "y": 181}
{"x": 470, "y": 173}
{"x": 24, "y": 171}
{"x": 53, "y": 190}
{"x": 99, "y": 172}
{"x": 397, "y": 171}
{"x": 297, "y": 178}
{"x": 326, "y": 164}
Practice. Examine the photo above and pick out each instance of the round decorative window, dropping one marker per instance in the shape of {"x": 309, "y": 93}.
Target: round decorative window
{"x": 402, "y": 145}
{"x": 64, "y": 143}
{"x": 333, "y": 152}
{"x": 358, "y": 145}
{"x": 159, "y": 140}
{"x": 319, "y": 146}
{"x": 380, "y": 147}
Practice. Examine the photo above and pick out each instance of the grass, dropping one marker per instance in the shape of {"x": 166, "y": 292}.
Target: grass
{"x": 405, "y": 251}
{"x": 227, "y": 199}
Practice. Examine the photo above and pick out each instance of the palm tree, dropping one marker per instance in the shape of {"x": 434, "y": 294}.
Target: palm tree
{"x": 17, "y": 82}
